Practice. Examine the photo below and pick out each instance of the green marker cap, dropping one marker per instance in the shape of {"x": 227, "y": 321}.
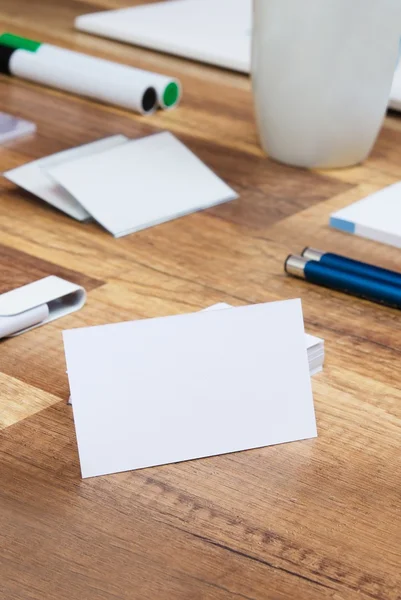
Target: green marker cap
{"x": 170, "y": 95}
{"x": 21, "y": 43}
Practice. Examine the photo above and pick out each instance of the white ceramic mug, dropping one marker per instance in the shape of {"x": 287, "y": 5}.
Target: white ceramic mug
{"x": 321, "y": 73}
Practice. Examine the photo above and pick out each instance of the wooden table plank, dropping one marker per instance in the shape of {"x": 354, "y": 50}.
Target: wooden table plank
{"x": 311, "y": 520}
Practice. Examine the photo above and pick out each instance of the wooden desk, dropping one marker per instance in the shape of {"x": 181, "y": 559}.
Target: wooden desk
{"x": 310, "y": 520}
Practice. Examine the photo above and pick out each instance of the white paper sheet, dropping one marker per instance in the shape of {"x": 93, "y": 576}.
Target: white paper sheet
{"x": 211, "y": 31}
{"x": 33, "y": 177}
{"x": 142, "y": 183}
{"x": 176, "y": 388}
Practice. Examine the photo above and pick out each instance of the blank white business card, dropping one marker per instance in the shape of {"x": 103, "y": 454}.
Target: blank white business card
{"x": 142, "y": 183}
{"x": 314, "y": 345}
{"x": 169, "y": 389}
{"x": 33, "y": 177}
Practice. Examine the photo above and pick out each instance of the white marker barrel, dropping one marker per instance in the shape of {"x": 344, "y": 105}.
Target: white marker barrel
{"x": 168, "y": 89}
{"x": 115, "y": 88}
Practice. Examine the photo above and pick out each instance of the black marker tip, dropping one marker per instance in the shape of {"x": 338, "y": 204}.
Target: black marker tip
{"x": 149, "y": 100}
{"x": 6, "y": 53}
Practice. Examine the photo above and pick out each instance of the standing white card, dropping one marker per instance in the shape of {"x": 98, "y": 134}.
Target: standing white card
{"x": 314, "y": 345}
{"x": 142, "y": 183}
{"x": 176, "y": 388}
{"x": 33, "y": 177}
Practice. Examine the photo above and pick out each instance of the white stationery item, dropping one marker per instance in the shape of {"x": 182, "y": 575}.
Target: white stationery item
{"x": 129, "y": 90}
{"x": 169, "y": 389}
{"x": 376, "y": 217}
{"x": 315, "y": 349}
{"x": 33, "y": 177}
{"x": 12, "y": 127}
{"x": 314, "y": 345}
{"x": 115, "y": 75}
{"x": 211, "y": 31}
{"x": 38, "y": 303}
{"x": 13, "y": 324}
{"x": 141, "y": 183}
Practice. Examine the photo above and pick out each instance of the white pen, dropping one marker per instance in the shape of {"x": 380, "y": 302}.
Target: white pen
{"x": 12, "y": 324}
{"x": 104, "y": 80}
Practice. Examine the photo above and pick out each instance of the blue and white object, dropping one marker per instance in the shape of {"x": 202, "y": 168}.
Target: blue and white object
{"x": 377, "y": 217}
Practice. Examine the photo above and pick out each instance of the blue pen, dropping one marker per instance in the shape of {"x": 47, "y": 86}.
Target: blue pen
{"x": 352, "y": 266}
{"x": 350, "y": 283}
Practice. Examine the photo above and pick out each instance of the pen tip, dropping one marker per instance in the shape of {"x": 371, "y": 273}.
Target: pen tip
{"x": 286, "y": 261}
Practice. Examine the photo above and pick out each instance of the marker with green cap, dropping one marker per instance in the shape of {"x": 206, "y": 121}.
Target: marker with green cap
{"x": 84, "y": 68}
{"x": 20, "y": 43}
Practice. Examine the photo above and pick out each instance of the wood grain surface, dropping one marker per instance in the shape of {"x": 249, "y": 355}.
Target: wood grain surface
{"x": 310, "y": 520}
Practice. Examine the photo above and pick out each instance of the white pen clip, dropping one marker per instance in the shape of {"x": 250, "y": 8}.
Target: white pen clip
{"x": 38, "y": 303}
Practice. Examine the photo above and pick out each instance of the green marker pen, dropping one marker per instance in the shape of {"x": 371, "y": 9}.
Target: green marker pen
{"x": 123, "y": 83}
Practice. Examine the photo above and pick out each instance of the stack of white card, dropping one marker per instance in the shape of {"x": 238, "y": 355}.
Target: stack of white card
{"x": 125, "y": 185}
{"x": 169, "y": 389}
{"x": 315, "y": 349}
{"x": 376, "y": 217}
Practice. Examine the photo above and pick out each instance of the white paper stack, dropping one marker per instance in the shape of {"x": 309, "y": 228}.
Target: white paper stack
{"x": 169, "y": 389}
{"x": 125, "y": 185}
{"x": 315, "y": 349}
